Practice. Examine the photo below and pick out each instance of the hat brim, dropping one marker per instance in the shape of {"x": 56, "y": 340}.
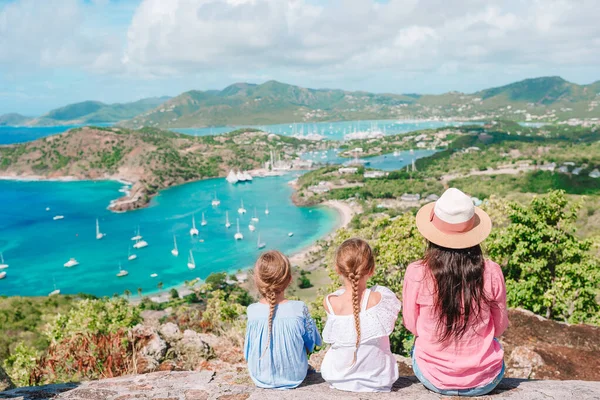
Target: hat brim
{"x": 480, "y": 231}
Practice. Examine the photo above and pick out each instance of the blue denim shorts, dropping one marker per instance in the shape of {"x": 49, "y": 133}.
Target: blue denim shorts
{"x": 477, "y": 391}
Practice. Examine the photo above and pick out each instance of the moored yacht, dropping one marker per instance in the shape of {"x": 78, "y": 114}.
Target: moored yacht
{"x": 122, "y": 272}
{"x": 227, "y": 223}
{"x": 71, "y": 263}
{"x": 175, "y": 251}
{"x": 242, "y": 210}
{"x": 259, "y": 244}
{"x": 255, "y": 217}
{"x": 3, "y": 265}
{"x": 238, "y": 235}
{"x": 251, "y": 227}
{"x": 58, "y": 217}
{"x": 194, "y": 231}
{"x": 191, "y": 263}
{"x": 2, "y": 274}
{"x": 267, "y": 209}
{"x": 137, "y": 235}
{"x": 231, "y": 177}
{"x": 291, "y": 234}
{"x": 99, "y": 235}
{"x": 215, "y": 202}
{"x": 140, "y": 244}
{"x": 130, "y": 256}
{"x": 203, "y": 223}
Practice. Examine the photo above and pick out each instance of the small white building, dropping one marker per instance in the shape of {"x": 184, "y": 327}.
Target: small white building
{"x": 374, "y": 174}
{"x": 548, "y": 167}
{"x": 577, "y": 171}
{"x": 432, "y": 197}
{"x": 595, "y": 174}
{"x": 347, "y": 170}
{"x": 563, "y": 169}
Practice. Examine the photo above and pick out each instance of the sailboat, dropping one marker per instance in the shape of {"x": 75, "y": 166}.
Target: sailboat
{"x": 238, "y": 235}
{"x": 137, "y": 236}
{"x": 191, "y": 263}
{"x": 291, "y": 234}
{"x": 232, "y": 177}
{"x": 58, "y": 217}
{"x": 2, "y": 274}
{"x": 99, "y": 235}
{"x": 215, "y": 201}
{"x": 259, "y": 244}
{"x": 267, "y": 209}
{"x": 193, "y": 231}
{"x": 255, "y": 218}
{"x": 242, "y": 210}
{"x": 71, "y": 263}
{"x": 122, "y": 272}
{"x": 203, "y": 223}
{"x": 55, "y": 291}
{"x": 140, "y": 244}
{"x": 130, "y": 256}
{"x": 227, "y": 223}
{"x": 251, "y": 227}
{"x": 175, "y": 252}
{"x": 2, "y": 264}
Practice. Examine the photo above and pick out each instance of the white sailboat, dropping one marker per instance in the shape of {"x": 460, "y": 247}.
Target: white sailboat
{"x": 58, "y": 217}
{"x": 55, "y": 291}
{"x": 242, "y": 210}
{"x": 216, "y": 202}
{"x": 47, "y": 208}
{"x": 131, "y": 256}
{"x": 122, "y": 272}
{"x": 194, "y": 231}
{"x": 291, "y": 234}
{"x": 3, "y": 265}
{"x": 203, "y": 223}
{"x": 255, "y": 218}
{"x": 175, "y": 251}
{"x": 227, "y": 223}
{"x": 71, "y": 263}
{"x": 137, "y": 236}
{"x": 231, "y": 177}
{"x": 2, "y": 274}
{"x": 238, "y": 235}
{"x": 153, "y": 275}
{"x": 259, "y": 244}
{"x": 140, "y": 244}
{"x": 99, "y": 235}
{"x": 191, "y": 263}
{"x": 251, "y": 227}
{"x": 267, "y": 209}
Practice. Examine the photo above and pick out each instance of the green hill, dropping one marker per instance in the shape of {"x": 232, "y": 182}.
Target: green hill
{"x": 13, "y": 119}
{"x": 275, "y": 102}
{"x": 88, "y": 112}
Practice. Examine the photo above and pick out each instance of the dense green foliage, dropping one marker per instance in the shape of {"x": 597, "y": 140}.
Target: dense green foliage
{"x": 548, "y": 270}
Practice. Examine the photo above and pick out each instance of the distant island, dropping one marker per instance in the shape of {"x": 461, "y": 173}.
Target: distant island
{"x": 545, "y": 99}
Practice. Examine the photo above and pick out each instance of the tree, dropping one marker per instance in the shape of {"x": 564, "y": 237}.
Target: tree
{"x": 159, "y": 286}
{"x": 548, "y": 269}
{"x": 139, "y": 291}
{"x": 303, "y": 281}
{"x": 127, "y": 293}
{"x": 174, "y": 293}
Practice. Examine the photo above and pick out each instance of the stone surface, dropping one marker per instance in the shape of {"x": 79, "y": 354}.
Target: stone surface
{"x": 152, "y": 348}
{"x": 5, "y": 382}
{"x": 522, "y": 362}
{"x": 207, "y": 385}
{"x": 170, "y": 332}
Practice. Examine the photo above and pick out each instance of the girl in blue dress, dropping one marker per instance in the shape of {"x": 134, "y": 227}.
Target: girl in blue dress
{"x": 280, "y": 332}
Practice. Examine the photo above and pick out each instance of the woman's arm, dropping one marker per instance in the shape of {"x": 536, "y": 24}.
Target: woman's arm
{"x": 498, "y": 307}
{"x": 410, "y": 292}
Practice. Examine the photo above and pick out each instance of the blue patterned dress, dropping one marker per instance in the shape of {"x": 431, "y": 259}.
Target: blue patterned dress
{"x": 285, "y": 363}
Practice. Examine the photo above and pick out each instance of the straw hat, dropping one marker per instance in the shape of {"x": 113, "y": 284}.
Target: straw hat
{"x": 453, "y": 221}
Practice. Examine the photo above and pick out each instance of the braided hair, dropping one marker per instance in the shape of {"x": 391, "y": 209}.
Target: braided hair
{"x": 354, "y": 260}
{"x": 272, "y": 275}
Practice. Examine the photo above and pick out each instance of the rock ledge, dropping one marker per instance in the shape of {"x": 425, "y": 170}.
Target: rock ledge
{"x": 207, "y": 385}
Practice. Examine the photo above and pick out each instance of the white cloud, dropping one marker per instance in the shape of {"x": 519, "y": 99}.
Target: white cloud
{"x": 180, "y": 36}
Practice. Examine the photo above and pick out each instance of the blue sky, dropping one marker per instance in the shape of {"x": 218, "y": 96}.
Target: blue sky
{"x": 55, "y": 52}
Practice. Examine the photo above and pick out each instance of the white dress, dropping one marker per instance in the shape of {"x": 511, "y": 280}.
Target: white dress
{"x": 375, "y": 369}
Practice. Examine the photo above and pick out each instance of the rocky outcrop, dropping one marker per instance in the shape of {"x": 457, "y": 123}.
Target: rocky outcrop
{"x": 208, "y": 385}
{"x": 5, "y": 382}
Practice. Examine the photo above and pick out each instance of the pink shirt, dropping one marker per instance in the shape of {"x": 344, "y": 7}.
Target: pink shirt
{"x": 473, "y": 361}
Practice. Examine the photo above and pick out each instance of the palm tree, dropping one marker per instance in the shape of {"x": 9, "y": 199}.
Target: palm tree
{"x": 127, "y": 293}
{"x": 159, "y": 286}
{"x": 139, "y": 290}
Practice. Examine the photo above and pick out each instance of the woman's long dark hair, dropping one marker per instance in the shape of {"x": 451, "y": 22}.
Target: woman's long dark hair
{"x": 459, "y": 293}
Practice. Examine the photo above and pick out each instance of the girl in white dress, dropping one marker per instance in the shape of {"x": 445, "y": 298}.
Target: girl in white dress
{"x": 359, "y": 323}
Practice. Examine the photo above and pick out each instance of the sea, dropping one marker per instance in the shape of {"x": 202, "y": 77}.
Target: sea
{"x": 36, "y": 246}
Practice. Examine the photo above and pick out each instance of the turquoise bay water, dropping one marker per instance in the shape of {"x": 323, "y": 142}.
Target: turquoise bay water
{"x": 20, "y": 134}
{"x": 331, "y": 130}
{"x": 36, "y": 247}
{"x": 385, "y": 162}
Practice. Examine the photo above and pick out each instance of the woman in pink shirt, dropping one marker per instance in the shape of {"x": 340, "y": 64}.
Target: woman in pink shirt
{"x": 455, "y": 301}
